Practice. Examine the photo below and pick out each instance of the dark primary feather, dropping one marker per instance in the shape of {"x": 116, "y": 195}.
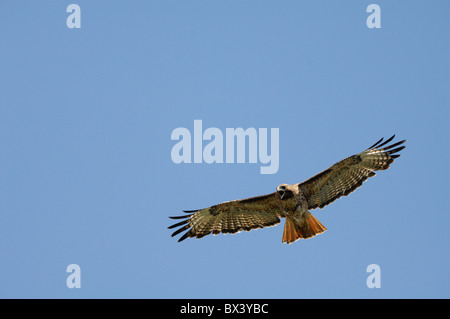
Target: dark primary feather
{"x": 320, "y": 190}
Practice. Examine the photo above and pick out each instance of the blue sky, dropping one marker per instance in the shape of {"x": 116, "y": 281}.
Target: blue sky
{"x": 86, "y": 117}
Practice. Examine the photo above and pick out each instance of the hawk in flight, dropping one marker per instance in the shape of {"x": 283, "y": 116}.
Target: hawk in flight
{"x": 292, "y": 202}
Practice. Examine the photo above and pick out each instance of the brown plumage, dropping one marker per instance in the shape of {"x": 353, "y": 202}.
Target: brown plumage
{"x": 292, "y": 202}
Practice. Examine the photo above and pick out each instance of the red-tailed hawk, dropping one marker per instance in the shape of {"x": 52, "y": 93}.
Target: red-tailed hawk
{"x": 292, "y": 202}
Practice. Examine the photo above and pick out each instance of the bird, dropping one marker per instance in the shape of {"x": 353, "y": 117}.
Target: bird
{"x": 292, "y": 202}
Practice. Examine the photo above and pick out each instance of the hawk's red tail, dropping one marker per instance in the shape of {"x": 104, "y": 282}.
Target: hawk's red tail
{"x": 308, "y": 228}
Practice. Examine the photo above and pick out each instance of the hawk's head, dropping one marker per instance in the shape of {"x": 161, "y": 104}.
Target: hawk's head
{"x": 285, "y": 191}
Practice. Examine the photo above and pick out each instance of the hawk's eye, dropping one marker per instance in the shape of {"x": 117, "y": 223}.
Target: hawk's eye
{"x": 281, "y": 191}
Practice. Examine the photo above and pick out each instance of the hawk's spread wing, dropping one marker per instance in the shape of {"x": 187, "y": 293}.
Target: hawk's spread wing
{"x": 345, "y": 176}
{"x": 230, "y": 217}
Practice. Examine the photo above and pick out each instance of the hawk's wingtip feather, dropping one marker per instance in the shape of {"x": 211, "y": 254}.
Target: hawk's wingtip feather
{"x": 191, "y": 211}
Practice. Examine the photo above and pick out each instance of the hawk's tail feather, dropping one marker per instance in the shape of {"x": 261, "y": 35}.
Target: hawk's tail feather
{"x": 309, "y": 227}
